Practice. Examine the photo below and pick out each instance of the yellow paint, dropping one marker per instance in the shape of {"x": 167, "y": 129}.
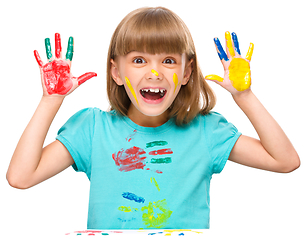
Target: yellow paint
{"x": 155, "y": 73}
{"x": 250, "y": 51}
{"x": 155, "y": 183}
{"x": 169, "y": 231}
{"x": 229, "y": 44}
{"x": 239, "y": 74}
{"x": 214, "y": 77}
{"x": 176, "y": 81}
{"x": 131, "y": 89}
{"x": 153, "y": 219}
{"x": 127, "y": 209}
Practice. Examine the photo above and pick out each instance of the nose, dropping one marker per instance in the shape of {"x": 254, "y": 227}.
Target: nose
{"x": 154, "y": 75}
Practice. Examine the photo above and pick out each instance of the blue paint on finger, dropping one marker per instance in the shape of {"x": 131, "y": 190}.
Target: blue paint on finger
{"x": 221, "y": 53}
{"x": 235, "y": 43}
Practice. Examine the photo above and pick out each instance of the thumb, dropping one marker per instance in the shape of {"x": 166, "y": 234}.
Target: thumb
{"x": 214, "y": 77}
{"x": 81, "y": 79}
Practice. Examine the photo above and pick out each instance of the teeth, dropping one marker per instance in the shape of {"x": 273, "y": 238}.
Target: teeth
{"x": 156, "y": 90}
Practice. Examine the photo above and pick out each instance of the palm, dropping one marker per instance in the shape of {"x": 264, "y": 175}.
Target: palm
{"x": 56, "y": 74}
{"x": 236, "y": 69}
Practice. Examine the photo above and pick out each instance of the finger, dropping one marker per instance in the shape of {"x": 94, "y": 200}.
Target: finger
{"x": 235, "y": 43}
{"x": 85, "y": 77}
{"x": 229, "y": 44}
{"x": 250, "y": 51}
{"x": 70, "y": 49}
{"x": 214, "y": 77}
{"x": 221, "y": 53}
{"x": 38, "y": 58}
{"x": 48, "y": 49}
{"x": 58, "y": 45}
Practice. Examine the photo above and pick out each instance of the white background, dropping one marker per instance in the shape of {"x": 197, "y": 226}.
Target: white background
{"x": 245, "y": 203}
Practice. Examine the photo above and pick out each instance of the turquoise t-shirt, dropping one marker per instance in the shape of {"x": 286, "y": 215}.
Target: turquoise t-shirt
{"x": 143, "y": 178}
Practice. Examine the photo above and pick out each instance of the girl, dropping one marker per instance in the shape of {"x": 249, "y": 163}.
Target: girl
{"x": 150, "y": 159}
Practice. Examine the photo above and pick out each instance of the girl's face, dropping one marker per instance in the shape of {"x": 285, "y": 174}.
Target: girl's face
{"x": 152, "y": 82}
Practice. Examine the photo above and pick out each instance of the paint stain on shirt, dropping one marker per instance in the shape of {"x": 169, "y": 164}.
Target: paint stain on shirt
{"x": 129, "y": 159}
{"x": 156, "y": 214}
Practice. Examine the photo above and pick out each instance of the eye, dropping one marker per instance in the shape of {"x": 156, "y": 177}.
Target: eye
{"x": 139, "y": 60}
{"x": 169, "y": 61}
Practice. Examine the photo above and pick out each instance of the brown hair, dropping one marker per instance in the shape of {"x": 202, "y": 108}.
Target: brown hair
{"x": 159, "y": 30}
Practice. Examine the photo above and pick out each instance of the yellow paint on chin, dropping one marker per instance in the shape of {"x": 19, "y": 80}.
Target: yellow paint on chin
{"x": 155, "y": 73}
{"x": 239, "y": 74}
{"x": 176, "y": 81}
{"x": 229, "y": 44}
{"x": 131, "y": 89}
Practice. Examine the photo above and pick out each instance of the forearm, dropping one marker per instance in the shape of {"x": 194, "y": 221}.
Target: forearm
{"x": 272, "y": 137}
{"x": 28, "y": 152}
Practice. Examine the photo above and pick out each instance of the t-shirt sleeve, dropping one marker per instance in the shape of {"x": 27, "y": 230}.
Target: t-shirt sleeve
{"x": 222, "y": 135}
{"x": 76, "y": 135}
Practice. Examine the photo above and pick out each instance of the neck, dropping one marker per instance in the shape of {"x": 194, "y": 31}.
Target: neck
{"x": 146, "y": 121}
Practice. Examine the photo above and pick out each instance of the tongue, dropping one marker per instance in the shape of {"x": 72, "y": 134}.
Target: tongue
{"x": 152, "y": 95}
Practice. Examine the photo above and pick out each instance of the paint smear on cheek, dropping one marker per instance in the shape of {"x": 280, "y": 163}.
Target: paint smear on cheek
{"x": 176, "y": 81}
{"x": 57, "y": 77}
{"x": 239, "y": 74}
{"x": 131, "y": 89}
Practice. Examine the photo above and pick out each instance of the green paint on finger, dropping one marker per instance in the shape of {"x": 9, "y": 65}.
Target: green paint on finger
{"x": 70, "y": 49}
{"x": 48, "y": 48}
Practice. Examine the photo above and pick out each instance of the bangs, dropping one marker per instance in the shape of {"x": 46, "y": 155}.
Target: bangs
{"x": 153, "y": 31}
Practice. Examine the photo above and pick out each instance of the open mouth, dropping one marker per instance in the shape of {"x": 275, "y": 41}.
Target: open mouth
{"x": 153, "y": 93}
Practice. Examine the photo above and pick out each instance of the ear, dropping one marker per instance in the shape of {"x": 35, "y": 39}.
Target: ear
{"x": 187, "y": 72}
{"x": 115, "y": 72}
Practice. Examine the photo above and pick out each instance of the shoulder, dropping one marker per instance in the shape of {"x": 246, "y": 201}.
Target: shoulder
{"x": 211, "y": 118}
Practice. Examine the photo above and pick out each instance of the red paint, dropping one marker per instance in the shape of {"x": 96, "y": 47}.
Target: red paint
{"x": 158, "y": 171}
{"x": 130, "y": 136}
{"x": 85, "y": 77}
{"x": 38, "y": 58}
{"x": 161, "y": 152}
{"x": 129, "y": 159}
{"x": 57, "y": 77}
{"x": 89, "y": 231}
{"x": 58, "y": 45}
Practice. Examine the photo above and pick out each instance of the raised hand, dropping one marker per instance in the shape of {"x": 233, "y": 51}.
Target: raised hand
{"x": 56, "y": 74}
{"x": 237, "y": 76}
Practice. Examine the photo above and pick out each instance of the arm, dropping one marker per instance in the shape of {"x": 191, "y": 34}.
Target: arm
{"x": 30, "y": 163}
{"x": 273, "y": 152}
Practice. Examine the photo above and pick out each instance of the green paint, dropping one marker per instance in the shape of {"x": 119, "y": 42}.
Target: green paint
{"x": 105, "y": 234}
{"x": 161, "y": 160}
{"x": 79, "y": 234}
{"x": 70, "y": 49}
{"x": 156, "y": 214}
{"x": 156, "y": 143}
{"x": 127, "y": 209}
{"x": 48, "y": 48}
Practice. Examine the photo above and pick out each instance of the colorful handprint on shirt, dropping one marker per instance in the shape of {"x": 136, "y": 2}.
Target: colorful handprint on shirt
{"x": 135, "y": 157}
{"x": 154, "y": 215}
